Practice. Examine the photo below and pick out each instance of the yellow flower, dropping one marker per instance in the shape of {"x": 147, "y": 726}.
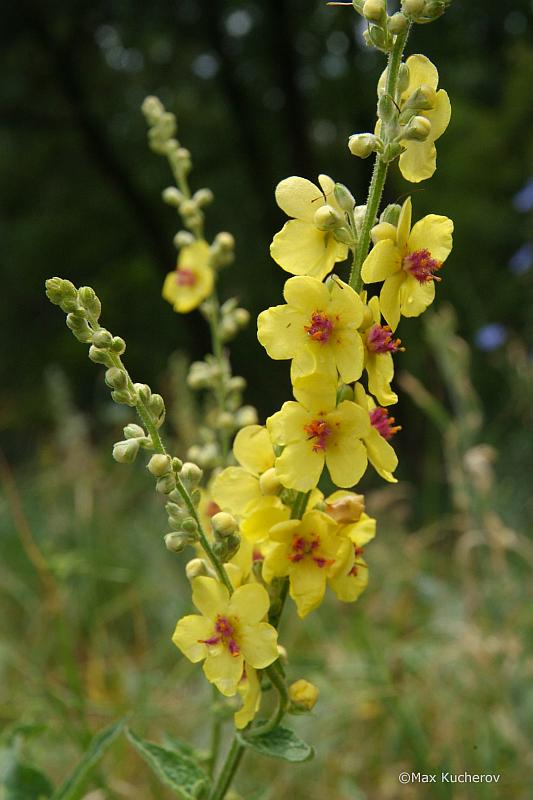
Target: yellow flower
{"x": 419, "y": 159}
{"x": 309, "y": 551}
{"x": 300, "y": 247}
{"x": 379, "y": 347}
{"x": 192, "y": 280}
{"x": 237, "y": 488}
{"x": 230, "y": 633}
{"x": 407, "y": 264}
{"x": 380, "y": 453}
{"x": 351, "y": 579}
{"x": 249, "y": 689}
{"x": 314, "y": 431}
{"x": 317, "y": 328}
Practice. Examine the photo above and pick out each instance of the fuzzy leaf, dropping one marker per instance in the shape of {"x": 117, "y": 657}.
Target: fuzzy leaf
{"x": 279, "y": 743}
{"x": 72, "y": 788}
{"x": 176, "y": 770}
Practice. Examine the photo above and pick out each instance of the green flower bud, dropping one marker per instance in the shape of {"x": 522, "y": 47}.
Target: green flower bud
{"x": 102, "y": 339}
{"x": 423, "y": 98}
{"x": 434, "y": 9}
{"x": 344, "y": 393}
{"x": 236, "y": 384}
{"x": 124, "y": 397}
{"x": 224, "y": 240}
{"x": 165, "y": 484}
{"x": 362, "y": 144}
{"x": 172, "y": 196}
{"x": 247, "y": 415}
{"x": 378, "y": 37}
{"x": 62, "y": 293}
{"x": 227, "y": 329}
{"x": 100, "y": 356}
{"x": 183, "y": 239}
{"x": 203, "y": 197}
{"x": 116, "y": 378}
{"x": 133, "y": 431}
{"x": 344, "y": 197}
{"x": 144, "y": 392}
{"x": 343, "y": 235}
{"x": 89, "y": 300}
{"x": 177, "y": 464}
{"x": 159, "y": 465}
{"x": 232, "y": 542}
{"x": 196, "y": 496}
{"x": 189, "y": 525}
{"x": 79, "y": 327}
{"x": 383, "y": 230}
{"x": 191, "y": 473}
{"x": 118, "y": 345}
{"x": 413, "y": 7}
{"x": 397, "y": 23}
{"x": 241, "y": 317}
{"x": 418, "y": 129}
{"x": 225, "y": 421}
{"x": 152, "y": 108}
{"x": 125, "y": 452}
{"x": 156, "y": 404}
{"x": 391, "y": 151}
{"x": 391, "y": 213}
{"x": 374, "y": 10}
{"x": 327, "y": 218}
{"x": 403, "y": 78}
{"x": 196, "y": 567}
{"x": 224, "y": 524}
{"x": 176, "y": 541}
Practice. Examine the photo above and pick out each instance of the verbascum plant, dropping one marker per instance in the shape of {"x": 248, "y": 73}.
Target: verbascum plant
{"x": 260, "y": 525}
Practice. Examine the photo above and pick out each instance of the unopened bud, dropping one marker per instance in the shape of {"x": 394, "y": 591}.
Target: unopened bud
{"x": 203, "y": 197}
{"x": 89, "y": 300}
{"x": 102, "y": 339}
{"x": 423, "y": 98}
{"x": 417, "y": 129}
{"x": 118, "y": 345}
{"x": 237, "y": 384}
{"x": 302, "y": 694}
{"x": 152, "y": 108}
{"x": 172, "y": 196}
{"x": 195, "y": 567}
{"x": 374, "y": 10}
{"x": 156, "y": 405}
{"x": 327, "y": 218}
{"x": 362, "y": 144}
{"x": 344, "y": 236}
{"x": 397, "y": 23}
{"x": 126, "y": 452}
{"x": 413, "y": 7}
{"x": 190, "y": 526}
{"x": 344, "y": 393}
{"x": 224, "y": 240}
{"x": 247, "y": 415}
{"x": 183, "y": 239}
{"x": 191, "y": 473}
{"x": 344, "y": 197}
{"x": 79, "y": 327}
{"x": 403, "y": 78}
{"x": 269, "y": 483}
{"x": 224, "y": 524}
{"x": 116, "y": 378}
{"x": 347, "y": 509}
{"x": 176, "y": 541}
{"x": 383, "y": 230}
{"x": 143, "y": 391}
{"x": 387, "y": 110}
{"x": 241, "y": 317}
{"x": 391, "y": 213}
{"x": 133, "y": 431}
{"x": 99, "y": 356}
{"x": 62, "y": 293}
{"x": 159, "y": 465}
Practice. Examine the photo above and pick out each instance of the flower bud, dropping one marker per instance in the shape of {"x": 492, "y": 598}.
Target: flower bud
{"x": 344, "y": 197}
{"x": 190, "y": 526}
{"x": 237, "y": 384}
{"x": 227, "y": 329}
{"x": 302, "y": 694}
{"x": 203, "y": 197}
{"x": 343, "y": 235}
{"x": 195, "y": 567}
{"x": 224, "y": 524}
{"x": 226, "y": 547}
{"x": 88, "y": 299}
{"x": 225, "y": 421}
{"x": 241, "y": 317}
{"x": 124, "y": 397}
{"x": 100, "y": 356}
{"x": 165, "y": 484}
{"x": 269, "y": 483}
{"x": 383, "y": 230}
{"x": 143, "y": 391}
{"x": 152, "y": 108}
{"x": 125, "y": 452}
{"x": 159, "y": 465}
{"x": 118, "y": 345}
{"x": 191, "y": 473}
{"x": 403, "y": 78}
{"x": 374, "y": 10}
{"x": 418, "y": 128}
{"x": 172, "y": 196}
{"x": 362, "y": 144}
{"x": 397, "y": 23}
{"x": 413, "y": 7}
{"x": 183, "y": 239}
{"x": 133, "y": 431}
{"x": 79, "y": 327}
{"x": 344, "y": 393}
{"x": 102, "y": 339}
{"x": 247, "y": 415}
{"x": 327, "y": 218}
{"x": 224, "y": 240}
{"x": 196, "y": 496}
{"x": 116, "y": 378}
{"x": 177, "y": 464}
{"x": 62, "y": 293}
{"x": 423, "y": 98}
{"x": 176, "y": 541}
{"x": 156, "y": 405}
{"x": 347, "y": 509}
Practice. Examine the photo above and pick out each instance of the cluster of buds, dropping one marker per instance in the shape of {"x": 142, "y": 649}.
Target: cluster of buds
{"x": 340, "y": 216}
{"x": 230, "y": 317}
{"x": 382, "y": 27}
{"x": 226, "y": 535}
{"x": 135, "y": 438}
{"x": 189, "y": 208}
{"x": 423, "y": 11}
{"x": 177, "y": 480}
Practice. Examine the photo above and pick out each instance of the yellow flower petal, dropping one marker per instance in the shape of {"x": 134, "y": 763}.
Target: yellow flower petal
{"x": 234, "y": 489}
{"x": 381, "y": 455}
{"x": 433, "y": 233}
{"x": 383, "y": 260}
{"x": 280, "y": 330}
{"x": 189, "y": 632}
{"x": 380, "y": 370}
{"x": 250, "y": 603}
{"x": 253, "y": 449}
{"x": 250, "y": 691}
{"x": 349, "y": 355}
{"x": 301, "y": 249}
{"x": 440, "y": 115}
{"x": 287, "y": 424}
{"x": 389, "y": 299}
{"x": 415, "y": 297}
{"x": 419, "y": 160}
{"x": 194, "y": 255}
{"x": 267, "y": 513}
{"x": 209, "y": 596}
{"x": 307, "y": 586}
{"x": 348, "y": 586}
{"x": 224, "y": 670}
{"x": 299, "y": 198}
{"x": 317, "y": 392}
{"x": 259, "y": 644}
{"x": 362, "y": 531}
{"x": 346, "y": 461}
{"x": 299, "y": 467}
{"x": 404, "y": 225}
{"x": 306, "y": 294}
{"x": 421, "y": 71}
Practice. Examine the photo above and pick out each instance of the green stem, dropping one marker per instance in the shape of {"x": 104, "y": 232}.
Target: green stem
{"x": 231, "y": 764}
{"x": 379, "y": 173}
{"x": 216, "y": 732}
{"x": 283, "y": 703}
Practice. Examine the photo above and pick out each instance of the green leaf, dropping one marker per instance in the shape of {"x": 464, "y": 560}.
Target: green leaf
{"x": 73, "y": 787}
{"x": 22, "y": 782}
{"x": 179, "y": 746}
{"x": 278, "y": 743}
{"x": 176, "y": 770}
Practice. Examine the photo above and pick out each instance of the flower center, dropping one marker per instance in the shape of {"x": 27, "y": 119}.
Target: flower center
{"x": 302, "y": 547}
{"x": 225, "y": 633}
{"x": 354, "y": 572}
{"x": 320, "y": 431}
{"x": 383, "y": 423}
{"x": 186, "y": 277}
{"x": 379, "y": 340}
{"x": 320, "y": 328}
{"x": 422, "y": 266}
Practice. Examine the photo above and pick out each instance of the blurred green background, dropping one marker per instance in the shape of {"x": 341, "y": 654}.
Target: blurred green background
{"x": 430, "y": 667}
